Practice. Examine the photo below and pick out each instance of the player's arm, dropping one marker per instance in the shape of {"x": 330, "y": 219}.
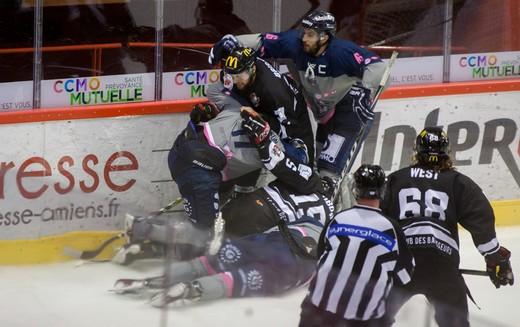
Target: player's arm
{"x": 268, "y": 45}
{"x": 298, "y": 177}
{"x": 476, "y": 216}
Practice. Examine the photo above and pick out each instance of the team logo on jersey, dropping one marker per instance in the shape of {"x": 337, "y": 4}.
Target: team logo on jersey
{"x": 260, "y": 203}
{"x": 255, "y": 281}
{"x": 229, "y": 253}
{"x": 255, "y": 100}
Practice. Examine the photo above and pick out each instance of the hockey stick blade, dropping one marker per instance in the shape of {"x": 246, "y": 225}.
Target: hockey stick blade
{"x": 473, "y": 272}
{"x": 91, "y": 254}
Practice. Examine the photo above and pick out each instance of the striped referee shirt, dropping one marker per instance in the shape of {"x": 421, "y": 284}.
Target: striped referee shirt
{"x": 364, "y": 253}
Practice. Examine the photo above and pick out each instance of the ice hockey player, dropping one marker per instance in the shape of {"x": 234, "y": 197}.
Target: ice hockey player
{"x": 362, "y": 254}
{"x": 197, "y": 163}
{"x": 338, "y": 78}
{"x": 262, "y": 263}
{"x": 274, "y": 95}
{"x": 429, "y": 199}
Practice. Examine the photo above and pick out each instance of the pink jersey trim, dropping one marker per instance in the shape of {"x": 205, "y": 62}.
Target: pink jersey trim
{"x": 323, "y": 120}
{"x": 228, "y": 279}
{"x": 211, "y": 141}
{"x": 207, "y": 266}
{"x": 301, "y": 230}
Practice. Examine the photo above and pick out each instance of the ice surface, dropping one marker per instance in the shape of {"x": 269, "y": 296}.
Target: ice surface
{"x": 74, "y": 294}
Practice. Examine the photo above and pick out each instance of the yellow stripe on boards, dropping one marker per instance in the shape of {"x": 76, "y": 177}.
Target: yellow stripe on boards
{"x": 507, "y": 212}
{"x": 50, "y": 248}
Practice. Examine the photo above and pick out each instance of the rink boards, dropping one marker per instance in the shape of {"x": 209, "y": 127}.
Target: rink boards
{"x": 68, "y": 176}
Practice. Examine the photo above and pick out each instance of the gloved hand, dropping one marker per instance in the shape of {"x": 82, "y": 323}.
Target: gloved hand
{"x": 255, "y": 126}
{"x": 222, "y": 48}
{"x": 498, "y": 267}
{"x": 328, "y": 185}
{"x": 203, "y": 112}
{"x": 361, "y": 103}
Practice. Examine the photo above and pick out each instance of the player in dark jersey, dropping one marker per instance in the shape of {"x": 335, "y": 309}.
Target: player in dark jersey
{"x": 261, "y": 263}
{"x": 429, "y": 198}
{"x": 363, "y": 253}
{"x": 338, "y": 78}
{"x": 196, "y": 163}
{"x": 272, "y": 94}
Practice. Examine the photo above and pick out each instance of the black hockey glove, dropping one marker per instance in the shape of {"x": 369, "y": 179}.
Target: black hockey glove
{"x": 255, "y": 126}
{"x": 203, "y": 112}
{"x": 328, "y": 185}
{"x": 499, "y": 268}
{"x": 222, "y": 48}
{"x": 361, "y": 103}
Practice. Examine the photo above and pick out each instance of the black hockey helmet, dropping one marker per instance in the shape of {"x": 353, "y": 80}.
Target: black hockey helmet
{"x": 369, "y": 182}
{"x": 321, "y": 21}
{"x": 239, "y": 60}
{"x": 432, "y": 144}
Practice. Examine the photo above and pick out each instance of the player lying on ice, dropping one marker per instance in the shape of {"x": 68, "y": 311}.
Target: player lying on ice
{"x": 261, "y": 264}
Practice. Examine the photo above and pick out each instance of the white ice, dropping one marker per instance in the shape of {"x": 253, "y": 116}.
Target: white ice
{"x": 75, "y": 294}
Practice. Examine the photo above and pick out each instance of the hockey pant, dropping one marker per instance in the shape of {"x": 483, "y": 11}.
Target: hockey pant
{"x": 443, "y": 286}
{"x": 199, "y": 189}
{"x": 261, "y": 265}
{"x": 338, "y": 136}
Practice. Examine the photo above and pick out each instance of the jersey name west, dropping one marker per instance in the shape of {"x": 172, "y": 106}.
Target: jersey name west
{"x": 423, "y": 173}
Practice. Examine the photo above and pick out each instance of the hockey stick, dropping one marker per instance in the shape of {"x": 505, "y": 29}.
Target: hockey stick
{"x": 473, "y": 272}
{"x": 363, "y": 133}
{"x": 91, "y": 254}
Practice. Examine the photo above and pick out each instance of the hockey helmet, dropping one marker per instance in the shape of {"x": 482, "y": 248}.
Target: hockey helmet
{"x": 369, "y": 182}
{"x": 432, "y": 144}
{"x": 239, "y": 60}
{"x": 321, "y": 21}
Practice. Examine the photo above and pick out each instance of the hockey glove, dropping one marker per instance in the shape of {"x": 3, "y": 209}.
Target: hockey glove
{"x": 203, "y": 112}
{"x": 255, "y": 126}
{"x": 499, "y": 268}
{"x": 222, "y": 48}
{"x": 361, "y": 103}
{"x": 328, "y": 185}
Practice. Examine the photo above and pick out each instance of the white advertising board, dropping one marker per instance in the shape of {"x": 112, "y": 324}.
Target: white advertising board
{"x": 416, "y": 70}
{"x": 483, "y": 130}
{"x": 82, "y": 91}
{"x": 188, "y": 84}
{"x": 86, "y": 174}
{"x": 485, "y": 66}
{"x": 192, "y": 84}
{"x": 16, "y": 96}
{"x": 62, "y": 176}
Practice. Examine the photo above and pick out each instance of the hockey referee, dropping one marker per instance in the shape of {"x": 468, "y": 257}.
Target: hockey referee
{"x": 362, "y": 253}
